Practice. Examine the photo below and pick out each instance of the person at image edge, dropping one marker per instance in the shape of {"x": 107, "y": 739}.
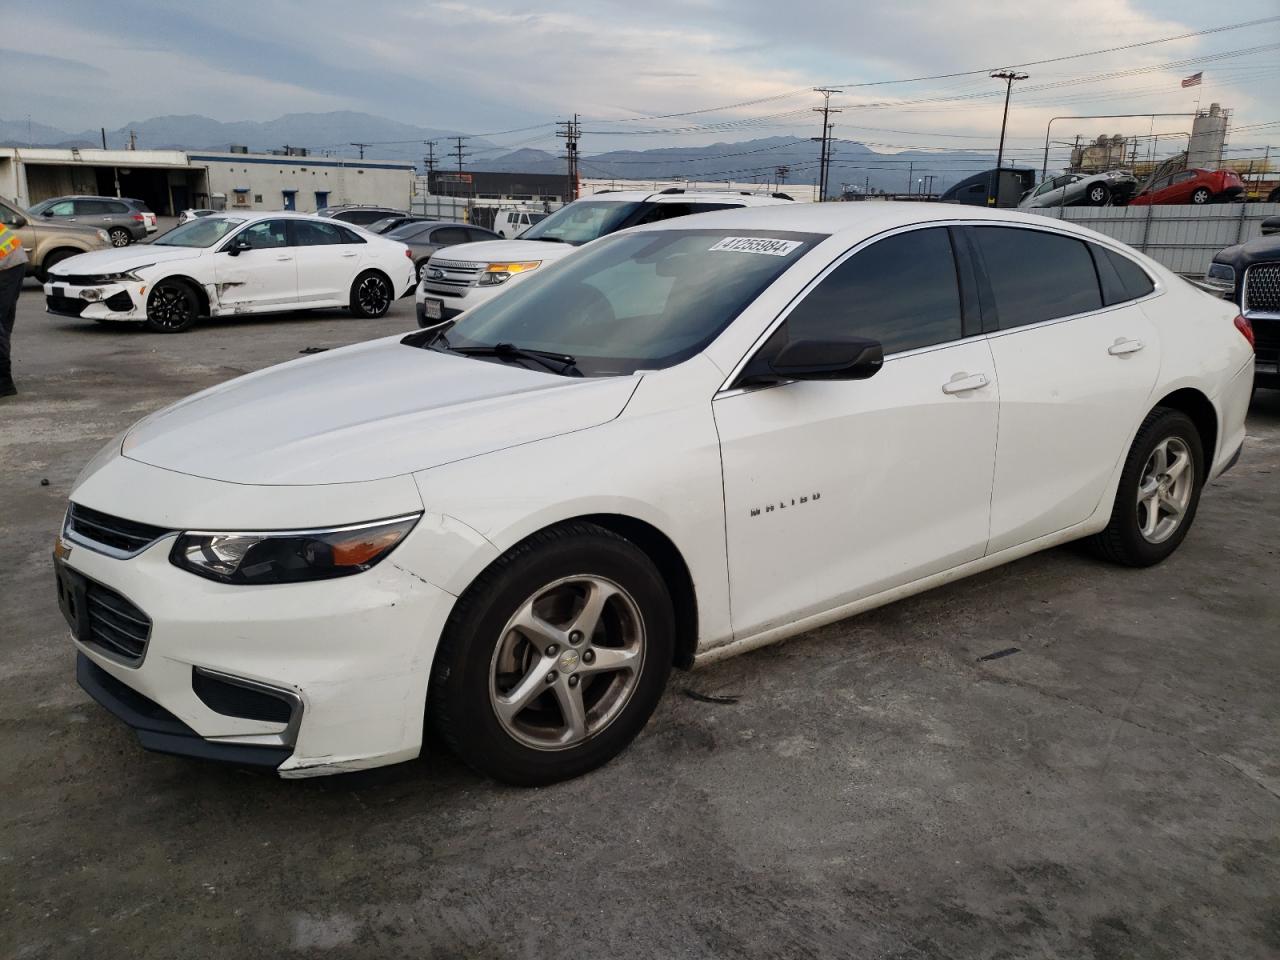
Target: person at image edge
{"x": 13, "y": 268}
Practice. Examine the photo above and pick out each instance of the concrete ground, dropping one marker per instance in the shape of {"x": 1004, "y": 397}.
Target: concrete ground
{"x": 877, "y": 790}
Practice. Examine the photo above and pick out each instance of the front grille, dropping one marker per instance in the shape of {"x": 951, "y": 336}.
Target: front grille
{"x": 76, "y": 279}
{"x": 115, "y": 533}
{"x": 71, "y": 306}
{"x": 457, "y": 273}
{"x": 1262, "y": 289}
{"x": 115, "y": 625}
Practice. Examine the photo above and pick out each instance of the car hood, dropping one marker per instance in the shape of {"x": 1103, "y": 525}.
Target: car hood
{"x": 367, "y": 412}
{"x": 497, "y": 251}
{"x": 1258, "y": 250}
{"x": 123, "y": 258}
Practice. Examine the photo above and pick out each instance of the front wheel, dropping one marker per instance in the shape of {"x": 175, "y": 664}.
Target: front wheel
{"x": 1159, "y": 491}
{"x": 120, "y": 237}
{"x": 172, "y": 307}
{"x": 1099, "y": 195}
{"x": 371, "y": 295}
{"x": 555, "y": 658}
{"x": 1202, "y": 195}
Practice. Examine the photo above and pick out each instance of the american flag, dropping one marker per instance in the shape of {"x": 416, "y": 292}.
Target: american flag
{"x": 1193, "y": 80}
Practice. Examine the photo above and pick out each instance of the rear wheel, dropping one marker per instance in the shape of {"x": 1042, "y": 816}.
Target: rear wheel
{"x": 371, "y": 295}
{"x": 120, "y": 237}
{"x": 172, "y": 307}
{"x": 555, "y": 658}
{"x": 1159, "y": 491}
{"x": 1202, "y": 195}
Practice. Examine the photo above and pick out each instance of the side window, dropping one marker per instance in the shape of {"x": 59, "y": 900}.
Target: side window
{"x": 446, "y": 236}
{"x": 708, "y": 207}
{"x": 901, "y": 291}
{"x": 349, "y": 236}
{"x": 1122, "y": 279}
{"x": 64, "y": 209}
{"x": 308, "y": 233}
{"x": 665, "y": 211}
{"x": 1037, "y": 276}
{"x": 91, "y": 208}
{"x": 266, "y": 235}
{"x": 475, "y": 235}
{"x": 114, "y": 206}
{"x": 11, "y": 218}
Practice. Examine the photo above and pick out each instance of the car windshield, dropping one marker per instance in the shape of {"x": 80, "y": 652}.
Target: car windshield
{"x": 204, "y": 232}
{"x": 636, "y": 301}
{"x": 581, "y": 221}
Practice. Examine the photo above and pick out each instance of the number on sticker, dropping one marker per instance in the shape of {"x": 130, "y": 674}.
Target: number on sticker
{"x": 767, "y": 245}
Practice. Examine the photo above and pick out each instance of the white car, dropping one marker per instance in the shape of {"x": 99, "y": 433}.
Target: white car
{"x": 692, "y": 439}
{"x": 468, "y": 274}
{"x": 188, "y": 215}
{"x": 231, "y": 264}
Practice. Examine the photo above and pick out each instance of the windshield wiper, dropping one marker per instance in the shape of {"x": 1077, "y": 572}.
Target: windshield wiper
{"x": 561, "y": 363}
{"x": 547, "y": 239}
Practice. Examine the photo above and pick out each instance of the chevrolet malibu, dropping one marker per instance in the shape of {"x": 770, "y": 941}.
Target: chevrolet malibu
{"x": 686, "y": 441}
{"x": 230, "y": 264}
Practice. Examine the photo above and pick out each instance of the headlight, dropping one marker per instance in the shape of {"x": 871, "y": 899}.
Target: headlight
{"x": 496, "y": 273}
{"x": 289, "y": 556}
{"x": 104, "y": 236}
{"x": 1221, "y": 278}
{"x": 123, "y": 276}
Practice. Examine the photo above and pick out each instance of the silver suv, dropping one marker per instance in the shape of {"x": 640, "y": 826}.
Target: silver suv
{"x": 126, "y": 220}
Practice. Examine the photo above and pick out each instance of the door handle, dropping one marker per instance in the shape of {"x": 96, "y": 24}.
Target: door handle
{"x": 1123, "y": 346}
{"x": 963, "y": 383}
{"x": 282, "y": 257}
{"x": 349, "y": 254}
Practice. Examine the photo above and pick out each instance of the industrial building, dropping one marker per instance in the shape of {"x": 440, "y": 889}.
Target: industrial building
{"x": 169, "y": 181}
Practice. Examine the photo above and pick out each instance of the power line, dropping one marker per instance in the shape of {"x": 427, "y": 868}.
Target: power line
{"x": 825, "y": 156}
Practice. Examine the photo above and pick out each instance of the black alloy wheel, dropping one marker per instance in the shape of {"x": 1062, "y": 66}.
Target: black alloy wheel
{"x": 172, "y": 307}
{"x": 371, "y": 296}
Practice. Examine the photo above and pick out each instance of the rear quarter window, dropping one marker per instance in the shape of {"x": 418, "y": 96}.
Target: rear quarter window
{"x": 1037, "y": 276}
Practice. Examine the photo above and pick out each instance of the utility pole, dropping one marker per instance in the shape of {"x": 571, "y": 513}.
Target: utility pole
{"x": 824, "y": 157}
{"x": 1008, "y": 76}
{"x": 361, "y": 146}
{"x": 781, "y": 172}
{"x": 570, "y": 133}
{"x": 911, "y": 166}
{"x": 133, "y": 139}
{"x": 429, "y": 164}
{"x": 459, "y": 155}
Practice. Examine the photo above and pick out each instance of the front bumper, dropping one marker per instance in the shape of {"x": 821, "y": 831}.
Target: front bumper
{"x": 350, "y": 656}
{"x": 109, "y": 301}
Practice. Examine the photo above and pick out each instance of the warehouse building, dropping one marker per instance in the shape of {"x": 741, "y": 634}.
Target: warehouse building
{"x": 170, "y": 181}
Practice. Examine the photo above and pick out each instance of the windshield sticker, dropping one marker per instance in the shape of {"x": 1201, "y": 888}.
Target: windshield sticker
{"x": 766, "y": 245}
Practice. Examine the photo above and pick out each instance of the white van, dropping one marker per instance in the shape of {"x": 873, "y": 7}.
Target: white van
{"x": 509, "y": 223}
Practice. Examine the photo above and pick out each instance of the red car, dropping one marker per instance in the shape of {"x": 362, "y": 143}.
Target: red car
{"x": 1191, "y": 186}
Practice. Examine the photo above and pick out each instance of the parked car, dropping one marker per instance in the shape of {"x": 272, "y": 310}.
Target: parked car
{"x": 188, "y": 215}
{"x": 49, "y": 242}
{"x": 1191, "y": 186}
{"x": 1248, "y": 274}
{"x": 427, "y": 237}
{"x": 358, "y": 215}
{"x": 387, "y": 224}
{"x": 509, "y": 223}
{"x": 1071, "y": 189}
{"x": 126, "y": 220}
{"x": 690, "y": 439}
{"x": 474, "y": 273}
{"x": 974, "y": 190}
{"x": 232, "y": 264}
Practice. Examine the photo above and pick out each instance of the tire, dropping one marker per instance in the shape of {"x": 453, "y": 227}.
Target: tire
{"x": 172, "y": 307}
{"x": 1124, "y": 540}
{"x": 1098, "y": 195}
{"x": 371, "y": 295}
{"x": 51, "y": 260}
{"x": 485, "y": 657}
{"x": 418, "y": 268}
{"x": 120, "y": 237}
{"x": 1201, "y": 195}
{"x": 1274, "y": 196}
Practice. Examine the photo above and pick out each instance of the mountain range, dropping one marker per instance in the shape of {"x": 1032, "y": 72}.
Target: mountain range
{"x": 338, "y": 133}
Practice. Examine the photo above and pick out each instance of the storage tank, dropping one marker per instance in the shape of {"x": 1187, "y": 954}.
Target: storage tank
{"x": 1208, "y": 134}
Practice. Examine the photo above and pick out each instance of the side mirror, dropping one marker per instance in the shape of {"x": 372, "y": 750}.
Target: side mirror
{"x": 47, "y": 213}
{"x": 844, "y": 358}
{"x": 239, "y": 246}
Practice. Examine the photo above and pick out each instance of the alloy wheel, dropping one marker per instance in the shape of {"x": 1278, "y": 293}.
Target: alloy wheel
{"x": 1164, "y": 490}
{"x": 170, "y": 307}
{"x": 567, "y": 662}
{"x": 119, "y": 238}
{"x": 373, "y": 296}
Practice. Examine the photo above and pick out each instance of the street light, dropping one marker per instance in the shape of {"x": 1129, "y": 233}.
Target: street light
{"x": 1008, "y": 76}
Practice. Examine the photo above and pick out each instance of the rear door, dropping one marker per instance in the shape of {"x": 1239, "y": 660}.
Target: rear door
{"x": 838, "y": 490}
{"x": 1076, "y": 374}
{"x": 448, "y": 236}
{"x": 264, "y": 277}
{"x": 327, "y": 260}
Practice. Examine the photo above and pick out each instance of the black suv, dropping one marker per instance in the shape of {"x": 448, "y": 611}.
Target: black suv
{"x": 1249, "y": 275}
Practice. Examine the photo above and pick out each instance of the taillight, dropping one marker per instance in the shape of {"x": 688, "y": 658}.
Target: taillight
{"x": 139, "y": 217}
{"x": 408, "y": 253}
{"x": 1245, "y": 328}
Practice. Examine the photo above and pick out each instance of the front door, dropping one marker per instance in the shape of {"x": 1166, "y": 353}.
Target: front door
{"x": 838, "y": 490}
{"x": 290, "y": 198}
{"x": 264, "y": 277}
{"x": 1075, "y": 379}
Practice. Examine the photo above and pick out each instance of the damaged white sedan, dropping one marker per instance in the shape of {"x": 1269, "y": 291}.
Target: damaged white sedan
{"x": 233, "y": 264}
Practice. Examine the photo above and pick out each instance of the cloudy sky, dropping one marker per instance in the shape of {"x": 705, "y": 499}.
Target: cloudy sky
{"x": 483, "y": 66}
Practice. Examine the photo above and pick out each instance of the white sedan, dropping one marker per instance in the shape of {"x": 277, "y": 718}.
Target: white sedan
{"x": 231, "y": 264}
{"x": 688, "y": 440}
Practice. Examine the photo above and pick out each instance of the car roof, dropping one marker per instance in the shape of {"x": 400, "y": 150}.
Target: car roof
{"x": 714, "y": 196}
{"x": 855, "y": 220}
